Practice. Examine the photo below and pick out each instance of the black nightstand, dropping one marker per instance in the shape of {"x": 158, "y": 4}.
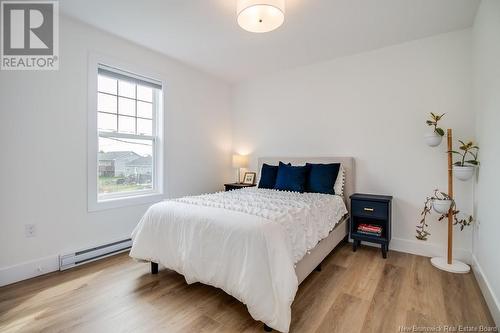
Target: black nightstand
{"x": 235, "y": 186}
{"x": 375, "y": 210}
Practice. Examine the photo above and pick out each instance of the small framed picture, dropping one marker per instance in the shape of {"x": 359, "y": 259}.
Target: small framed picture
{"x": 249, "y": 178}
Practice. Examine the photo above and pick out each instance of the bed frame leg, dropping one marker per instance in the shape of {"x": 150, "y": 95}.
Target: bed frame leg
{"x": 154, "y": 268}
{"x": 318, "y": 268}
{"x": 267, "y": 328}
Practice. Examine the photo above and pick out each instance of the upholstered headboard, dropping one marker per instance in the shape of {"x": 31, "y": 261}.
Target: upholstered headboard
{"x": 347, "y": 163}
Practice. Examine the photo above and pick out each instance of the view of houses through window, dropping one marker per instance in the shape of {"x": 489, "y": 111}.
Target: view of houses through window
{"x": 126, "y": 126}
{"x": 124, "y": 165}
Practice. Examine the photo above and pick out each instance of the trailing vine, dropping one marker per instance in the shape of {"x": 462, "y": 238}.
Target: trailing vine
{"x": 422, "y": 226}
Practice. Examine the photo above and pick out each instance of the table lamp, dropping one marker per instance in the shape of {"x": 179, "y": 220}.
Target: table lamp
{"x": 240, "y": 161}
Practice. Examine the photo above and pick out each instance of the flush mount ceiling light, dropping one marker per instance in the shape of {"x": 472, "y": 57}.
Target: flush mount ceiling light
{"x": 260, "y": 15}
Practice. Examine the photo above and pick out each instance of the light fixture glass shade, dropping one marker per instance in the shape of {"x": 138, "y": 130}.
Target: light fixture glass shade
{"x": 260, "y": 15}
{"x": 240, "y": 161}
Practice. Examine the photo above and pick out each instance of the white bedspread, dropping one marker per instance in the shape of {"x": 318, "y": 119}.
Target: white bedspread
{"x": 245, "y": 242}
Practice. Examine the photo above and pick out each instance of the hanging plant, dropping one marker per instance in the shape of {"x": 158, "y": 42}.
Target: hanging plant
{"x": 434, "y": 138}
{"x": 433, "y": 121}
{"x": 437, "y": 201}
{"x": 467, "y": 149}
{"x": 464, "y": 168}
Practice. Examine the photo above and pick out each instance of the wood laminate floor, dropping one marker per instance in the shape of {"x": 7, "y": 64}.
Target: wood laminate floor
{"x": 354, "y": 292}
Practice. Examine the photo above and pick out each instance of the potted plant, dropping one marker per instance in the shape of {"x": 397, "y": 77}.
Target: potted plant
{"x": 464, "y": 168}
{"x": 434, "y": 138}
{"x": 443, "y": 205}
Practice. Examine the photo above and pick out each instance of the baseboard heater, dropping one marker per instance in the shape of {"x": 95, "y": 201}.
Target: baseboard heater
{"x": 78, "y": 258}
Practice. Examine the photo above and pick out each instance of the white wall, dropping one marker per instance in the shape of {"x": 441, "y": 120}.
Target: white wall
{"x": 487, "y": 106}
{"x": 372, "y": 106}
{"x": 43, "y": 135}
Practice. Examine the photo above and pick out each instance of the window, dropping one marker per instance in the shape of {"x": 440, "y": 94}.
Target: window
{"x": 128, "y": 113}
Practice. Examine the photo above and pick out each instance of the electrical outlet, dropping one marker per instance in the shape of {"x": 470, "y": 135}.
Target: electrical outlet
{"x": 30, "y": 230}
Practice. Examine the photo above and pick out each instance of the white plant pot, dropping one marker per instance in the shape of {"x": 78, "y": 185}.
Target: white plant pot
{"x": 463, "y": 172}
{"x": 441, "y": 206}
{"x": 433, "y": 139}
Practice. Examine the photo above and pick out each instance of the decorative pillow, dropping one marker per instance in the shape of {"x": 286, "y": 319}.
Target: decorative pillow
{"x": 322, "y": 177}
{"x": 268, "y": 176}
{"x": 339, "y": 183}
{"x": 291, "y": 178}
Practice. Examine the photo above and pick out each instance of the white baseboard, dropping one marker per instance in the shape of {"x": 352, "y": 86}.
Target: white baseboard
{"x": 426, "y": 249}
{"x": 37, "y": 267}
{"x": 423, "y": 248}
{"x": 489, "y": 296}
{"x": 28, "y": 270}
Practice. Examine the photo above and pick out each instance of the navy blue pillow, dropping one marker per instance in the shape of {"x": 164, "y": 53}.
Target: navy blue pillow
{"x": 322, "y": 177}
{"x": 291, "y": 178}
{"x": 268, "y": 176}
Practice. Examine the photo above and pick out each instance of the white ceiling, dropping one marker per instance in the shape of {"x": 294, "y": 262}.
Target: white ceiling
{"x": 204, "y": 33}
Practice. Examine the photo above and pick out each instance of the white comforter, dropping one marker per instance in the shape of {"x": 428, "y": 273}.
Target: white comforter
{"x": 245, "y": 242}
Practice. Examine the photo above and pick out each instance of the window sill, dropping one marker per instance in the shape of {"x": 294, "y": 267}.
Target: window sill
{"x": 118, "y": 202}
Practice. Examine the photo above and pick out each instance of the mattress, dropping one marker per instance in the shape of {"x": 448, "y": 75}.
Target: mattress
{"x": 246, "y": 242}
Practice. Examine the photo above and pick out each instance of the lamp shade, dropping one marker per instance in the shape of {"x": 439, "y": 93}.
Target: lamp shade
{"x": 240, "y": 161}
{"x": 260, "y": 15}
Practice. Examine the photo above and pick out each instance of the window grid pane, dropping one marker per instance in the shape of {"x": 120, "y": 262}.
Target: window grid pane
{"x": 126, "y": 99}
{"x": 126, "y": 89}
{"x": 144, "y": 126}
{"x": 126, "y": 106}
{"x": 106, "y": 103}
{"x": 135, "y": 104}
{"x": 106, "y": 121}
{"x": 107, "y": 85}
{"x": 144, "y": 93}
{"x": 144, "y": 110}
{"x": 126, "y": 125}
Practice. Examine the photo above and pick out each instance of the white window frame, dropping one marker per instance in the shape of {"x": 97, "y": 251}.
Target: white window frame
{"x": 116, "y": 200}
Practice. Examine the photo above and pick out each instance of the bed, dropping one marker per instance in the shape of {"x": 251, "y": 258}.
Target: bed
{"x": 257, "y": 245}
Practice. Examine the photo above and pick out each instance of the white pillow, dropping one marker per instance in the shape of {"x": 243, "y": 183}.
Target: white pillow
{"x": 338, "y": 187}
